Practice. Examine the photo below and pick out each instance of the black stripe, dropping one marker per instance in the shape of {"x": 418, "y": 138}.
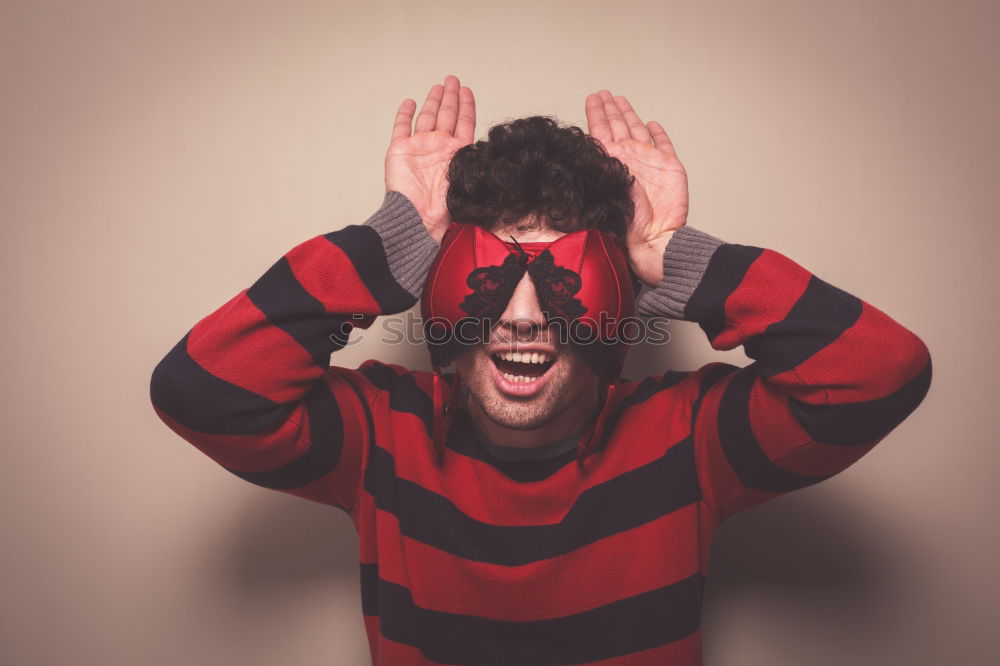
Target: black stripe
{"x": 743, "y": 451}
{"x": 369, "y": 435}
{"x": 369, "y": 588}
{"x": 463, "y": 440}
{"x": 629, "y": 500}
{"x": 287, "y": 305}
{"x": 725, "y": 271}
{"x": 633, "y": 624}
{"x": 712, "y": 376}
{"x": 820, "y": 315}
{"x": 202, "y": 402}
{"x": 363, "y": 247}
{"x": 862, "y": 422}
{"x": 404, "y": 394}
{"x": 326, "y": 435}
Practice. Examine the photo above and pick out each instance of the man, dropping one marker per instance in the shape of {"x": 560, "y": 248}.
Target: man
{"x": 532, "y": 507}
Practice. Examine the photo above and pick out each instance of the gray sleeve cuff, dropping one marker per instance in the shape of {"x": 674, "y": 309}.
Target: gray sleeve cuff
{"x": 684, "y": 262}
{"x": 409, "y": 249}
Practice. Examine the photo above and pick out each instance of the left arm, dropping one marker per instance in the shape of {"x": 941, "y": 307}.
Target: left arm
{"x": 832, "y": 375}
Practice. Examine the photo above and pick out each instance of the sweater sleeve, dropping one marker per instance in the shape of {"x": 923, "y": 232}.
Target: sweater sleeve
{"x": 831, "y": 375}
{"x": 251, "y": 384}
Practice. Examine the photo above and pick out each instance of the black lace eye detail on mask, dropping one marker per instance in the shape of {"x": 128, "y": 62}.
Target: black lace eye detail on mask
{"x": 556, "y": 287}
{"x": 492, "y": 287}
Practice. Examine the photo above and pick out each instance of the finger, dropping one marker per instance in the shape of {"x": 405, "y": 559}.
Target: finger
{"x": 660, "y": 138}
{"x": 635, "y": 126}
{"x": 427, "y": 119}
{"x": 597, "y": 120}
{"x": 619, "y": 130}
{"x": 447, "y": 115}
{"x": 404, "y": 119}
{"x": 466, "y": 128}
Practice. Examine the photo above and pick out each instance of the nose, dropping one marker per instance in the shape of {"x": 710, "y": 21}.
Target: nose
{"x": 523, "y": 316}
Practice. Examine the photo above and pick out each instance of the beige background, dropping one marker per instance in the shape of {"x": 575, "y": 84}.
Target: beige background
{"x": 155, "y": 158}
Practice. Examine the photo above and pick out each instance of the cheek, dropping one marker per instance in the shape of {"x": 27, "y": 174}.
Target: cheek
{"x": 470, "y": 366}
{"x": 578, "y": 372}
{"x": 463, "y": 368}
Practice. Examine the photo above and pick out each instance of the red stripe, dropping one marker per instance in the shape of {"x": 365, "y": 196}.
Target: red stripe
{"x": 365, "y": 517}
{"x": 768, "y": 291}
{"x": 741, "y": 498}
{"x": 639, "y": 560}
{"x": 714, "y": 473}
{"x": 516, "y": 503}
{"x": 269, "y": 451}
{"x": 386, "y": 652}
{"x": 719, "y": 483}
{"x": 327, "y": 273}
{"x": 786, "y": 443}
{"x": 339, "y": 487}
{"x": 707, "y": 524}
{"x": 343, "y": 485}
{"x": 250, "y": 453}
{"x": 239, "y": 345}
{"x": 871, "y": 359}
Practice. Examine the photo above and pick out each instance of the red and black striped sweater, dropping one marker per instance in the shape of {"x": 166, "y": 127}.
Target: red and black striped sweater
{"x": 468, "y": 559}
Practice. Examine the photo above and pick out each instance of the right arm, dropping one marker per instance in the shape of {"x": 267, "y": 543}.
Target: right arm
{"x": 251, "y": 386}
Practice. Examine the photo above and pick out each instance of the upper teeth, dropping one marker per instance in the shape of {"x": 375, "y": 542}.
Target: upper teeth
{"x": 524, "y": 357}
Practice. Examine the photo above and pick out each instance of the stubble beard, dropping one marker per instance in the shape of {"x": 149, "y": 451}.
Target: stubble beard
{"x": 514, "y": 413}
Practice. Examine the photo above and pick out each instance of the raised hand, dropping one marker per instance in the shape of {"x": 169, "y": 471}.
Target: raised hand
{"x": 416, "y": 163}
{"x": 660, "y": 192}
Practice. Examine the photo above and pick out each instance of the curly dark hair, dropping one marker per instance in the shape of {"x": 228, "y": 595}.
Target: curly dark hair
{"x": 535, "y": 167}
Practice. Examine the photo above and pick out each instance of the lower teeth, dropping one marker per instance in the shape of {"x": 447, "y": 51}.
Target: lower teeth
{"x": 518, "y": 379}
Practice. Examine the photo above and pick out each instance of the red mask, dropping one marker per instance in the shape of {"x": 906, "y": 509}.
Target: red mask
{"x": 582, "y": 280}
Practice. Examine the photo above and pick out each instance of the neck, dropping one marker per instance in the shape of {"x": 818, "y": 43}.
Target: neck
{"x": 571, "y": 421}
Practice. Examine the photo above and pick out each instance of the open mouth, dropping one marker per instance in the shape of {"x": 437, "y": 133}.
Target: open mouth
{"x": 522, "y": 367}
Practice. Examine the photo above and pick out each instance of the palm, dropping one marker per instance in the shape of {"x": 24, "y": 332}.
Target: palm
{"x": 416, "y": 163}
{"x": 660, "y": 192}
{"x": 417, "y": 166}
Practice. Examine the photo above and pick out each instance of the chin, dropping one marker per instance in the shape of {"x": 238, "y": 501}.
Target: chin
{"x": 517, "y": 415}
{"x": 518, "y": 405}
